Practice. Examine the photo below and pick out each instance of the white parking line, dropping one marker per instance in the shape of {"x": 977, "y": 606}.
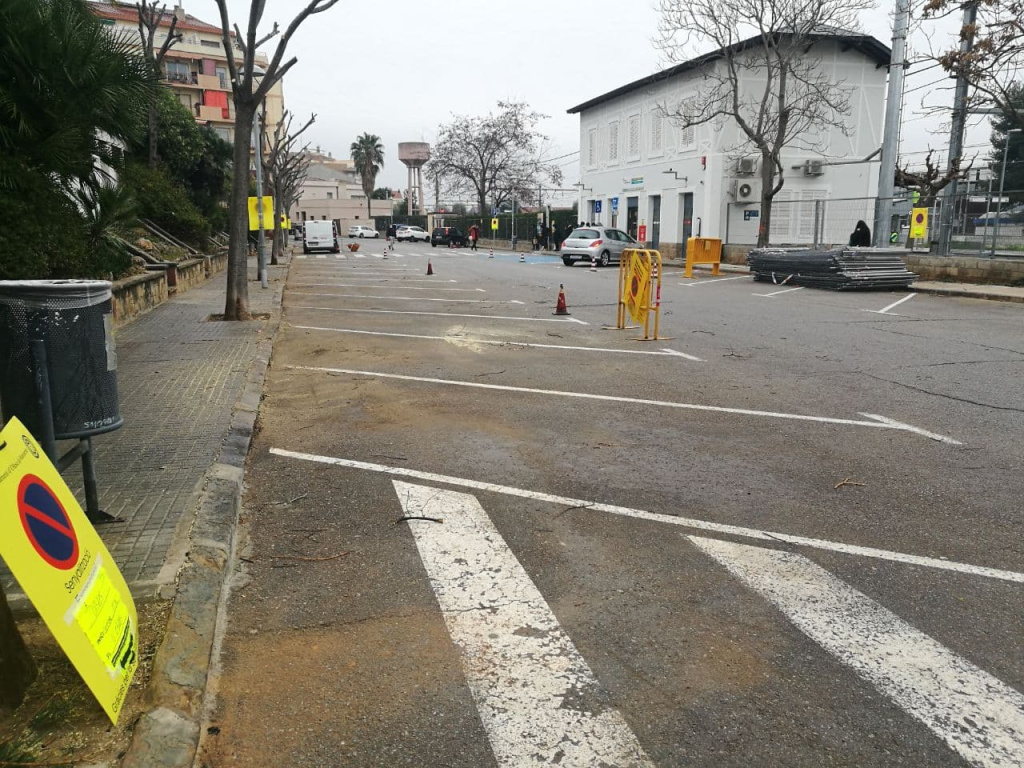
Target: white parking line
{"x": 778, "y": 293}
{"x": 406, "y": 298}
{"x": 502, "y": 343}
{"x": 398, "y": 279}
{"x": 450, "y": 314}
{"x": 406, "y": 288}
{"x": 520, "y": 665}
{"x": 885, "y": 310}
{"x": 976, "y": 714}
{"x": 878, "y": 422}
{"x": 715, "y": 280}
{"x": 321, "y": 256}
{"x": 586, "y": 506}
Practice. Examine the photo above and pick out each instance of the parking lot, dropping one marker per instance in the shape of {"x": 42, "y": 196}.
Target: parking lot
{"x": 786, "y": 533}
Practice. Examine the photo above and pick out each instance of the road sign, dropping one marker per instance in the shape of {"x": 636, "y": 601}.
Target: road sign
{"x": 597, "y": 206}
{"x": 65, "y": 570}
{"x": 919, "y": 223}
{"x": 494, "y": 211}
{"x": 615, "y": 205}
{"x": 494, "y": 225}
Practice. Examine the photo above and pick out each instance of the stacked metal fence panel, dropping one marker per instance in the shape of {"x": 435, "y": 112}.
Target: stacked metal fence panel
{"x": 837, "y": 268}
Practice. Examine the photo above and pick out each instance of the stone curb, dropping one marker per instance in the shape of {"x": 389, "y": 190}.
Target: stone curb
{"x": 168, "y": 735}
{"x": 971, "y": 292}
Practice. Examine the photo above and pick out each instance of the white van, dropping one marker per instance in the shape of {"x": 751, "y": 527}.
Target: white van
{"x": 319, "y": 235}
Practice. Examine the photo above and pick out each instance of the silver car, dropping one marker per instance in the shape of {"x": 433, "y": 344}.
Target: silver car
{"x": 603, "y": 244}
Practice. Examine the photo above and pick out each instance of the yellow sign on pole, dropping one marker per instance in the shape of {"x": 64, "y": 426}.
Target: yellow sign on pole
{"x": 254, "y": 213}
{"x": 919, "y": 223}
{"x": 66, "y": 571}
{"x": 494, "y": 225}
{"x": 638, "y": 287}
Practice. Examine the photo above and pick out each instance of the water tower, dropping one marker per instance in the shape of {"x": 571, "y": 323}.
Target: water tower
{"x": 415, "y": 155}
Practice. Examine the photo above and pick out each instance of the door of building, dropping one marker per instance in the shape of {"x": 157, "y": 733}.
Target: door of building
{"x": 655, "y": 234}
{"x": 632, "y": 215}
{"x": 686, "y": 217}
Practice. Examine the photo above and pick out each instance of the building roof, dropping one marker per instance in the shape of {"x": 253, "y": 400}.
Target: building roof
{"x": 866, "y": 44}
{"x": 130, "y": 12}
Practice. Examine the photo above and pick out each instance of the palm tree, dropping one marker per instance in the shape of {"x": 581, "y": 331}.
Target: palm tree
{"x": 368, "y": 155}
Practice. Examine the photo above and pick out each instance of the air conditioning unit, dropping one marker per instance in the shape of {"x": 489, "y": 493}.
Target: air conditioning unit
{"x": 745, "y": 191}
{"x": 814, "y": 168}
{"x": 746, "y": 166}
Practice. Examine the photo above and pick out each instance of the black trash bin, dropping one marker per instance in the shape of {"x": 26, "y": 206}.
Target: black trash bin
{"x": 70, "y": 322}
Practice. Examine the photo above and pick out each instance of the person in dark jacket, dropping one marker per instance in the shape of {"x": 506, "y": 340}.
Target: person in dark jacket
{"x": 861, "y": 236}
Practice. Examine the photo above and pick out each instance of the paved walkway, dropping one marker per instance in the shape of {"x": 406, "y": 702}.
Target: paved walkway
{"x": 179, "y": 376}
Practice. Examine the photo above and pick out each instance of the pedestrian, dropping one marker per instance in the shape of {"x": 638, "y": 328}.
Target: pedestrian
{"x": 474, "y": 235}
{"x": 861, "y": 236}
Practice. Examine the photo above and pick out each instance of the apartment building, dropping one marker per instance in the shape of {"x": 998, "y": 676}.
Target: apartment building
{"x": 333, "y": 190}
{"x": 195, "y": 68}
{"x": 638, "y": 167}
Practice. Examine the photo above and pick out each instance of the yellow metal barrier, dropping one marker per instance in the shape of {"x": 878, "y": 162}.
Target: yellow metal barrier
{"x": 639, "y": 290}
{"x": 703, "y": 250}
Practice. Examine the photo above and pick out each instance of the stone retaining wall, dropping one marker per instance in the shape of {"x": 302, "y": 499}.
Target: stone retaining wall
{"x": 965, "y": 269}
{"x": 216, "y": 263}
{"x": 190, "y": 273}
{"x": 138, "y": 294}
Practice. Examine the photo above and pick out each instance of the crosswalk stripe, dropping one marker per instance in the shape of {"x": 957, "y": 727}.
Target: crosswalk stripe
{"x": 524, "y": 672}
{"x": 977, "y": 715}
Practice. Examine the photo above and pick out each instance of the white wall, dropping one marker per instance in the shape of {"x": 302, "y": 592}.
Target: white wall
{"x": 704, "y": 159}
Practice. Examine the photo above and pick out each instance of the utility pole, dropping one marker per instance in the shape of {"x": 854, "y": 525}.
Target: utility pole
{"x": 891, "y": 129}
{"x": 956, "y": 135}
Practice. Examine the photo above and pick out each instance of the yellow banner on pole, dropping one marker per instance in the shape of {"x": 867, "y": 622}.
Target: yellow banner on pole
{"x": 66, "y": 571}
{"x": 919, "y": 223}
{"x": 254, "y": 213}
{"x": 637, "y": 289}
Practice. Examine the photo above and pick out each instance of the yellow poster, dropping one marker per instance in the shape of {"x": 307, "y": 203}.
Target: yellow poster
{"x": 254, "y": 213}
{"x": 66, "y": 571}
{"x": 919, "y": 223}
{"x": 637, "y": 290}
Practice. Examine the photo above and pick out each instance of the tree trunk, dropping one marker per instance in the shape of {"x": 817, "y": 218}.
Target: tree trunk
{"x": 368, "y": 199}
{"x": 764, "y": 227}
{"x": 153, "y": 130}
{"x": 236, "y": 304}
{"x": 17, "y": 669}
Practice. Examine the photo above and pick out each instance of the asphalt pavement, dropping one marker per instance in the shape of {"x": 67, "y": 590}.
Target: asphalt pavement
{"x": 477, "y": 533}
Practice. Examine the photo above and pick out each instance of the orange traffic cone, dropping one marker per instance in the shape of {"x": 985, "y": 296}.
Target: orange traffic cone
{"x": 560, "y": 307}
{"x": 430, "y": 268}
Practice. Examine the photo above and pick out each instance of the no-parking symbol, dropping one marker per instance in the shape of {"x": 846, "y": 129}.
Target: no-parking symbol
{"x": 47, "y": 524}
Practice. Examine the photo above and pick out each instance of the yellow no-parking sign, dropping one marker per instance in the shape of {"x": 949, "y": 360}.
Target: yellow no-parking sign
{"x": 919, "y": 223}
{"x": 637, "y": 288}
{"x": 66, "y": 571}
{"x": 494, "y": 225}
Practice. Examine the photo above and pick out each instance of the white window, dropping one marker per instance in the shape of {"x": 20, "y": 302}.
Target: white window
{"x": 634, "y": 136}
{"x": 613, "y": 142}
{"x": 805, "y": 234}
{"x": 592, "y": 147}
{"x": 330, "y": 195}
{"x": 657, "y": 133}
{"x": 687, "y": 138}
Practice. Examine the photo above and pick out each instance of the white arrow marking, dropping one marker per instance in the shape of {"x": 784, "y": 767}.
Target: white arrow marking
{"x": 854, "y": 550}
{"x": 449, "y": 314}
{"x": 538, "y": 700}
{"x": 976, "y": 714}
{"x": 879, "y": 422}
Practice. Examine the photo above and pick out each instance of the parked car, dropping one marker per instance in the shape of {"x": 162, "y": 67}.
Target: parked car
{"x": 410, "y": 233}
{"x": 447, "y": 236}
{"x": 320, "y": 235}
{"x": 602, "y": 243}
{"x": 361, "y": 230}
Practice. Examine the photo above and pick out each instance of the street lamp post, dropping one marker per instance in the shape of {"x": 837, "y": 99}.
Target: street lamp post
{"x": 1002, "y": 180}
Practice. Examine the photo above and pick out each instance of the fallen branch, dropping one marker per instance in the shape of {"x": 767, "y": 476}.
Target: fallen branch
{"x": 418, "y": 517}
{"x": 290, "y": 501}
{"x": 847, "y": 481}
{"x": 309, "y": 559}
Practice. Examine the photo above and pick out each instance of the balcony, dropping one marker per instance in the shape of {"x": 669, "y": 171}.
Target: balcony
{"x": 212, "y": 83}
{"x": 212, "y": 113}
{"x": 190, "y": 80}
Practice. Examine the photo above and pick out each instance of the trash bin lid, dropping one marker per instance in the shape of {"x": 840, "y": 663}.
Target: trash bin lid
{"x": 69, "y": 293}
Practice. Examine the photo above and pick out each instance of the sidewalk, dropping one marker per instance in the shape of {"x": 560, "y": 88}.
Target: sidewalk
{"x": 180, "y": 377}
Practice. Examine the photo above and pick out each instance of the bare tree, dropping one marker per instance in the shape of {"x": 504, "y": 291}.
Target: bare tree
{"x": 930, "y": 180}
{"x": 150, "y": 19}
{"x": 248, "y": 90}
{"x": 279, "y": 165}
{"x": 291, "y": 178}
{"x": 492, "y": 157}
{"x": 764, "y": 75}
{"x": 995, "y": 59}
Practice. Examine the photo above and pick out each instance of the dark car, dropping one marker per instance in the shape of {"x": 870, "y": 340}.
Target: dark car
{"x": 447, "y": 236}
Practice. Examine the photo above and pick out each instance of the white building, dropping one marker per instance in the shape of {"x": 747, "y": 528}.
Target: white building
{"x": 637, "y": 167}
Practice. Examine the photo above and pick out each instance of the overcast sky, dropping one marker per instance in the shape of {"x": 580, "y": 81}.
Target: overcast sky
{"x": 400, "y": 68}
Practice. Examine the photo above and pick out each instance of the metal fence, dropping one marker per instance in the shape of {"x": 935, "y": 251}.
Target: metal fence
{"x": 981, "y": 223}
